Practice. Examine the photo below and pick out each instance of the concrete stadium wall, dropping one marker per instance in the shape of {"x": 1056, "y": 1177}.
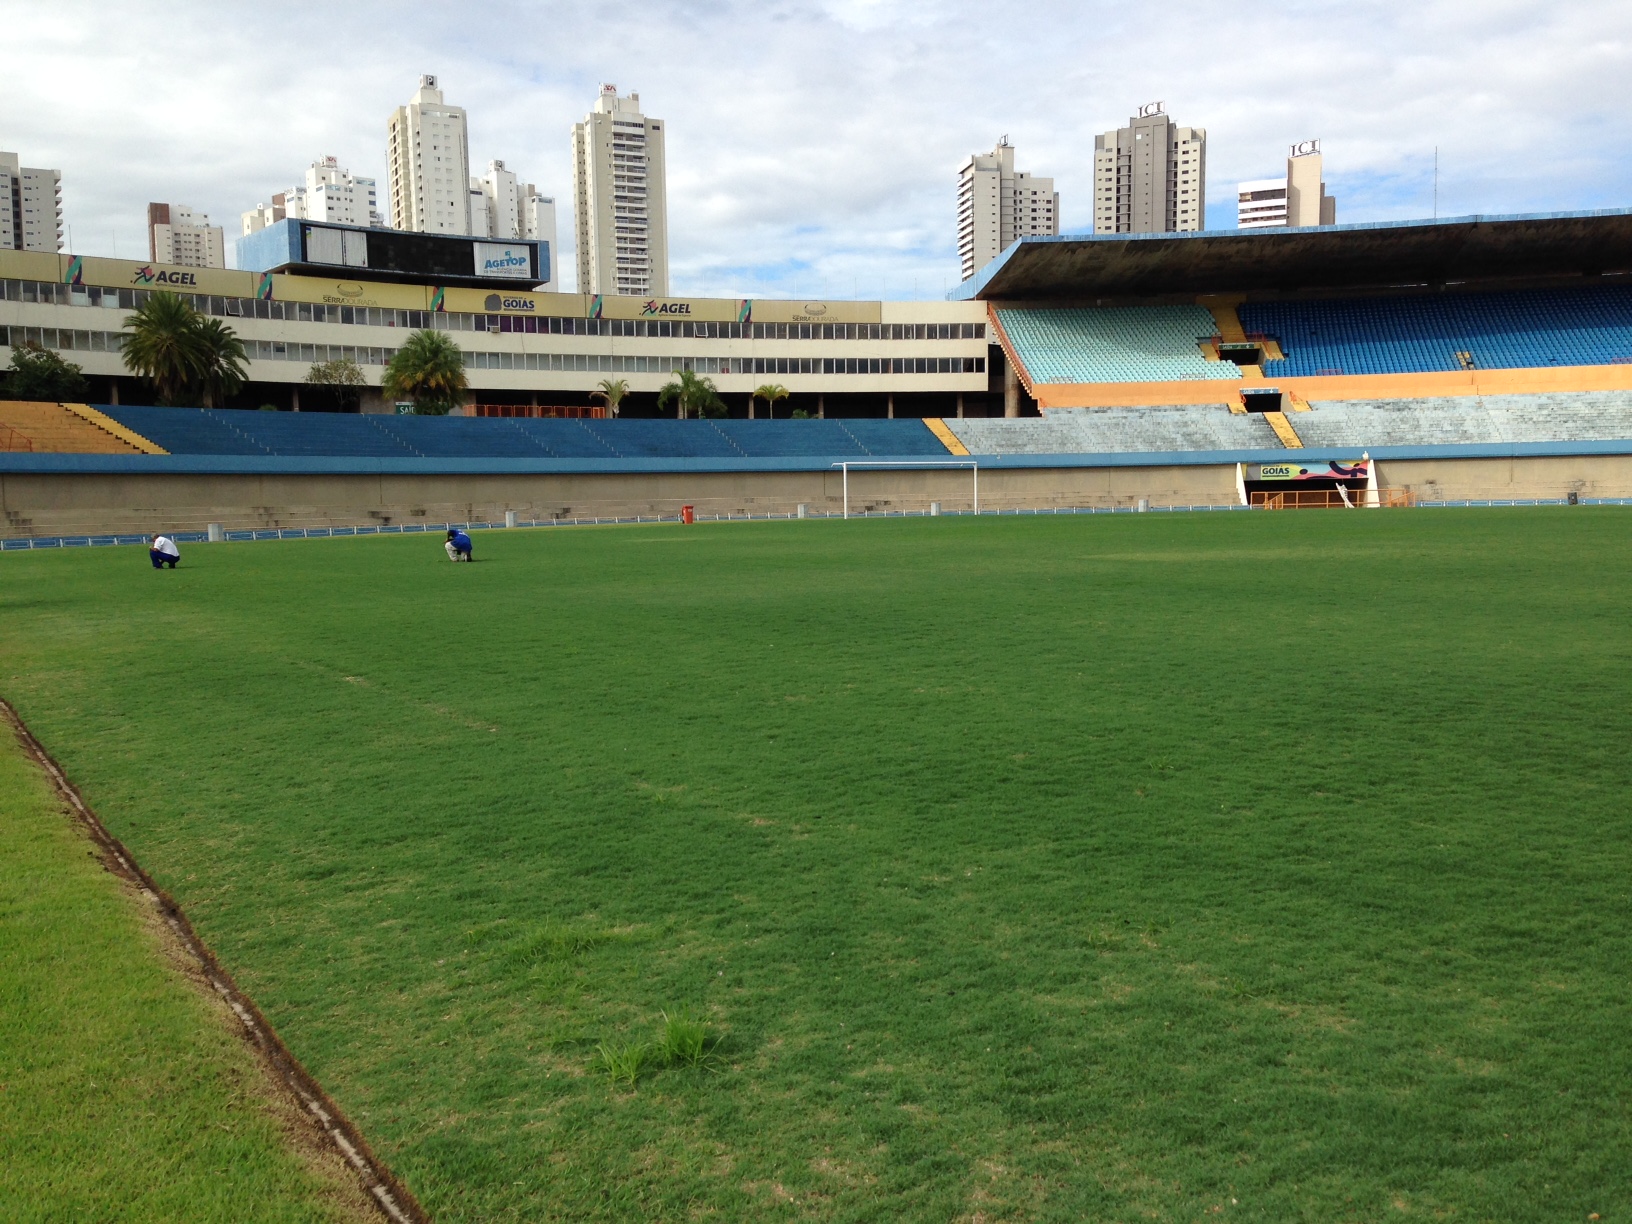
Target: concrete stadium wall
{"x": 57, "y": 503}
{"x": 43, "y": 504}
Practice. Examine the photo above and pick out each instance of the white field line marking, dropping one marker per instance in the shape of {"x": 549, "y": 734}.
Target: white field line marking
{"x": 377, "y": 1180}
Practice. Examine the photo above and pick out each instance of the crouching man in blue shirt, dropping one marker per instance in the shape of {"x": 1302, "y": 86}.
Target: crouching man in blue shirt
{"x": 458, "y": 546}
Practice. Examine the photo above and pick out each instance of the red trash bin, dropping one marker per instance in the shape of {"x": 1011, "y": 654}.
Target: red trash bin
{"x": 688, "y": 514}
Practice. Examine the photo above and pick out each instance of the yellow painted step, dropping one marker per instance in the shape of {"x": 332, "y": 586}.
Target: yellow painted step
{"x": 53, "y": 429}
{"x": 108, "y": 425}
{"x": 1222, "y": 307}
{"x": 1283, "y": 430}
{"x": 948, "y": 439}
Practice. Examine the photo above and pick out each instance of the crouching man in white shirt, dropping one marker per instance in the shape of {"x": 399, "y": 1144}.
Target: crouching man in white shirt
{"x": 164, "y": 552}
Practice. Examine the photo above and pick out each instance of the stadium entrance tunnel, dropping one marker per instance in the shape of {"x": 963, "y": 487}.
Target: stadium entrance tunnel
{"x": 1314, "y": 484}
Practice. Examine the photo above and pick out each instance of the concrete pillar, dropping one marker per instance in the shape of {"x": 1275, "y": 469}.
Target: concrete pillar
{"x": 889, "y": 405}
{"x": 113, "y": 392}
{"x": 821, "y": 407}
{"x": 751, "y": 407}
{"x": 960, "y": 405}
{"x": 1011, "y": 390}
{"x": 294, "y": 398}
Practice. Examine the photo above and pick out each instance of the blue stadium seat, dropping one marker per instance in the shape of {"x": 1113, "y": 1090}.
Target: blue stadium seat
{"x": 809, "y": 438}
{"x": 905, "y": 438}
{"x": 1519, "y": 329}
{"x": 187, "y": 431}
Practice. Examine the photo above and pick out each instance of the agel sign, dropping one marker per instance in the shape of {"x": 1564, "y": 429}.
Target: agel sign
{"x": 655, "y": 307}
{"x": 145, "y": 275}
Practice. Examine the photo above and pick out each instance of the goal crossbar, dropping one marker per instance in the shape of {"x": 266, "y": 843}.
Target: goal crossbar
{"x": 847, "y": 464}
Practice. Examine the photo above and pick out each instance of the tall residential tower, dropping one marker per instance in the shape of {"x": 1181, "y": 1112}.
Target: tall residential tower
{"x": 428, "y": 164}
{"x": 620, "y": 200}
{"x": 30, "y": 207}
{"x": 1151, "y": 176}
{"x": 330, "y": 193}
{"x": 178, "y": 235}
{"x": 996, "y": 205}
{"x": 1298, "y": 199}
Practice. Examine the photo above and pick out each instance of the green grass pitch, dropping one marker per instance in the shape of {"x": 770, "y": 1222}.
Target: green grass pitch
{"x": 1265, "y": 867}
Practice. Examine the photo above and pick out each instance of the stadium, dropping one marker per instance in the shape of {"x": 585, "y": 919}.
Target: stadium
{"x": 1469, "y": 359}
{"x": 931, "y": 845}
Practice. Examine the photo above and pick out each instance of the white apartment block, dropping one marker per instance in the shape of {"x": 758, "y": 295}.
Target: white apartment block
{"x": 428, "y": 164}
{"x": 1151, "y": 176}
{"x": 620, "y": 199}
{"x": 997, "y": 205}
{"x": 30, "y": 207}
{"x": 1297, "y": 200}
{"x": 178, "y": 235}
{"x": 330, "y": 193}
{"x": 538, "y": 224}
{"x": 1260, "y": 204}
{"x": 500, "y": 203}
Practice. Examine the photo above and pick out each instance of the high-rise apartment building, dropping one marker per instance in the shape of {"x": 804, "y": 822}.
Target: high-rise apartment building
{"x": 538, "y": 224}
{"x": 330, "y": 193}
{"x": 997, "y": 204}
{"x": 1298, "y": 199}
{"x": 178, "y": 235}
{"x": 428, "y": 164}
{"x": 1151, "y": 176}
{"x": 30, "y": 207}
{"x": 620, "y": 200}
{"x": 495, "y": 209}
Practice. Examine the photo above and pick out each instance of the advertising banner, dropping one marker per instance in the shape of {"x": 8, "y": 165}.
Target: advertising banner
{"x": 128, "y": 274}
{"x": 519, "y": 302}
{"x": 816, "y": 312}
{"x": 712, "y": 310}
{"x": 344, "y": 292}
{"x": 34, "y": 266}
{"x": 1330, "y": 470}
{"x": 513, "y": 261}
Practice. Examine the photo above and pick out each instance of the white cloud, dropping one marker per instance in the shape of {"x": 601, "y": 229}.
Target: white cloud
{"x": 813, "y": 148}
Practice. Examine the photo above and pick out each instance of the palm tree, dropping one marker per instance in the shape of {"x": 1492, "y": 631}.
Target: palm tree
{"x": 221, "y": 359}
{"x": 692, "y": 395}
{"x": 770, "y": 393}
{"x": 612, "y": 390}
{"x": 428, "y": 369}
{"x": 162, "y": 343}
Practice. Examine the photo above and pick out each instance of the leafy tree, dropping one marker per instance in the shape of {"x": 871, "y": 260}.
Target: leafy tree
{"x": 692, "y": 395}
{"x": 612, "y": 390}
{"x": 39, "y": 374}
{"x": 221, "y": 355}
{"x": 335, "y": 385}
{"x": 428, "y": 369}
{"x": 163, "y": 344}
{"x": 770, "y": 393}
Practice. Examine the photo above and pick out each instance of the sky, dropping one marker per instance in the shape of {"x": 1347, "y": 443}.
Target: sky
{"x": 813, "y": 148}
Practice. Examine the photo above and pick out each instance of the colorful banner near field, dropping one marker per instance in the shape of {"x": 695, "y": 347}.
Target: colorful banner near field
{"x": 1359, "y": 469}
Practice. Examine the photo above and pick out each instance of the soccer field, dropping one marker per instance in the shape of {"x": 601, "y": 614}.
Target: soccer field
{"x": 1268, "y": 866}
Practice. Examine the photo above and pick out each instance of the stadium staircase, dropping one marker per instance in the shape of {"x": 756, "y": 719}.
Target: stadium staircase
{"x": 66, "y": 429}
{"x": 1284, "y": 433}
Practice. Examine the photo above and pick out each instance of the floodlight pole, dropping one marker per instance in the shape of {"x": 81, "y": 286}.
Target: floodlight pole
{"x": 844, "y": 467}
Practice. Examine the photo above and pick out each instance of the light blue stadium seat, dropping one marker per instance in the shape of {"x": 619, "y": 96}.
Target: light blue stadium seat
{"x": 1114, "y": 344}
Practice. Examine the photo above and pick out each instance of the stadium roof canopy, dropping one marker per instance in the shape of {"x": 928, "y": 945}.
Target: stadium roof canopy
{"x": 1382, "y": 253}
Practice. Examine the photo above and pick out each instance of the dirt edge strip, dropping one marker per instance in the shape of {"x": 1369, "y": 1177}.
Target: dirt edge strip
{"x": 382, "y": 1188}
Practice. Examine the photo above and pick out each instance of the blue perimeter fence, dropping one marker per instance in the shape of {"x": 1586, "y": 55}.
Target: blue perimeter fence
{"x": 28, "y": 543}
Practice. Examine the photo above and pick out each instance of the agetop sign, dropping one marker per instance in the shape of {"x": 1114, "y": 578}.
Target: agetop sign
{"x": 501, "y": 259}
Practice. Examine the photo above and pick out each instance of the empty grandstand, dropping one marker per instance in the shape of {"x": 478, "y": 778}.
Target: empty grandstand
{"x": 1478, "y": 358}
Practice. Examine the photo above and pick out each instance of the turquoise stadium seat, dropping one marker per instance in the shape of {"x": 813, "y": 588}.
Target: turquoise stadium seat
{"x": 1114, "y": 344}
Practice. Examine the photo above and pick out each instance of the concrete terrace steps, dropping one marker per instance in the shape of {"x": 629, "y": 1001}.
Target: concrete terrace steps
{"x": 1097, "y": 431}
{"x": 1587, "y": 416}
{"x": 57, "y": 429}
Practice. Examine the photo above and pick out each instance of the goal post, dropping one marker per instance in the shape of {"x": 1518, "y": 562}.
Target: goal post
{"x": 908, "y": 464}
